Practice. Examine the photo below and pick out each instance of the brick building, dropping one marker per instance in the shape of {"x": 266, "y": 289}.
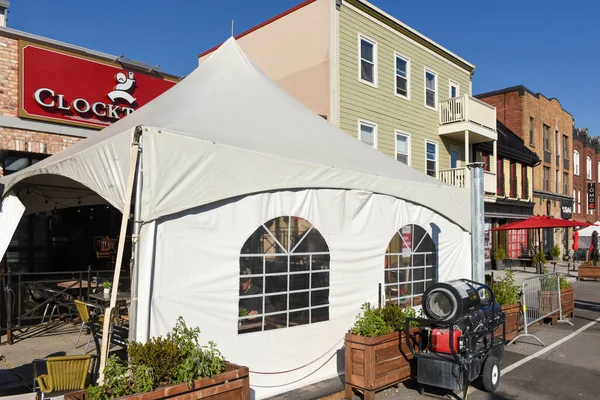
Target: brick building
{"x": 586, "y": 173}
{"x": 53, "y": 95}
{"x": 546, "y": 129}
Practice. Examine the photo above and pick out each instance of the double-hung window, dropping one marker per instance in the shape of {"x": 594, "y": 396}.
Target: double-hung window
{"x": 432, "y": 158}
{"x": 368, "y": 133}
{"x": 546, "y": 179}
{"x": 368, "y": 61}
{"x": 576, "y": 162}
{"x": 430, "y": 89}
{"x": 566, "y": 183}
{"x": 547, "y": 138}
{"x": 588, "y": 164}
{"x": 402, "y": 76}
{"x": 403, "y": 148}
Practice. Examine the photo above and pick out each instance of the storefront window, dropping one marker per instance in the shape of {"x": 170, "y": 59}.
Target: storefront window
{"x": 517, "y": 243}
{"x": 410, "y": 266}
{"x": 284, "y": 276}
{"x": 13, "y": 161}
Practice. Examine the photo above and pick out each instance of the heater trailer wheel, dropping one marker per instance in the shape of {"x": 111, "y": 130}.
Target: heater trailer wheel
{"x": 490, "y": 376}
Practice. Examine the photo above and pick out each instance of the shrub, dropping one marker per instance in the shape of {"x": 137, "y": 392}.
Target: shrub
{"x": 564, "y": 283}
{"x": 548, "y": 283}
{"x": 173, "y": 359}
{"x": 499, "y": 254}
{"x": 555, "y": 251}
{"x": 539, "y": 257}
{"x": 506, "y": 290}
{"x": 372, "y": 321}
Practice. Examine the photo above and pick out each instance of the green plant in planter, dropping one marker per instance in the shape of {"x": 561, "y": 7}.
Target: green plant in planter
{"x": 106, "y": 284}
{"x": 371, "y": 321}
{"x": 548, "y": 283}
{"x": 564, "y": 283}
{"x": 555, "y": 251}
{"x": 176, "y": 358}
{"x": 506, "y": 290}
{"x": 539, "y": 257}
{"x": 499, "y": 254}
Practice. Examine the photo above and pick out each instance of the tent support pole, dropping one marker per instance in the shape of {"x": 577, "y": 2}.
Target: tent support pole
{"x": 135, "y": 237}
{"x": 477, "y": 222}
{"x": 108, "y": 314}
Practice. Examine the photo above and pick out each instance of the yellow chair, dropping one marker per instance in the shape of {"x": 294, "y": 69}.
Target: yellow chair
{"x": 88, "y": 321}
{"x": 65, "y": 373}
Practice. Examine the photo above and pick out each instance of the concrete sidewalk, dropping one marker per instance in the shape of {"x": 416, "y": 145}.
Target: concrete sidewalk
{"x": 569, "y": 269}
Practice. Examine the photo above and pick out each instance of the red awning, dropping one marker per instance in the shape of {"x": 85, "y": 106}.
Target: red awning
{"x": 540, "y": 222}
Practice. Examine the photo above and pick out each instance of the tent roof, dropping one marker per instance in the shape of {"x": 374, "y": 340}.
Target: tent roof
{"x": 227, "y": 130}
{"x": 590, "y": 229}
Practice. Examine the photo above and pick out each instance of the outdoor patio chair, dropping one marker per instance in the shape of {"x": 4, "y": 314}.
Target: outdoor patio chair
{"x": 90, "y": 320}
{"x": 64, "y": 374}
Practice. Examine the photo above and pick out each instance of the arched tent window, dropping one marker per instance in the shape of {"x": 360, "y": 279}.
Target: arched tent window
{"x": 284, "y": 276}
{"x": 410, "y": 266}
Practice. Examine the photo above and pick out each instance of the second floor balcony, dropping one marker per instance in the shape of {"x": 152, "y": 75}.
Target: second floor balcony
{"x": 461, "y": 177}
{"x": 462, "y": 114}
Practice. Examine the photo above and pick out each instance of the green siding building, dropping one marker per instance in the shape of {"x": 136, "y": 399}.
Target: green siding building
{"x": 380, "y": 81}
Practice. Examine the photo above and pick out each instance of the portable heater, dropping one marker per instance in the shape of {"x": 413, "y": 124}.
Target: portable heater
{"x": 456, "y": 341}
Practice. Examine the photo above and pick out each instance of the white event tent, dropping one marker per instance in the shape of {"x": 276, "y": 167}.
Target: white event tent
{"x": 585, "y": 235}
{"x": 224, "y": 152}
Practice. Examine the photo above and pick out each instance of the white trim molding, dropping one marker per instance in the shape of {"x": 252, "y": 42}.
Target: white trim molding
{"x": 437, "y": 157}
{"x": 407, "y": 135}
{"x": 370, "y": 124}
{"x": 407, "y": 60}
{"x": 367, "y": 39}
{"x": 437, "y": 94}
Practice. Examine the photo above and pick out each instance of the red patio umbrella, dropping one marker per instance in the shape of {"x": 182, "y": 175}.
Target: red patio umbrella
{"x": 540, "y": 222}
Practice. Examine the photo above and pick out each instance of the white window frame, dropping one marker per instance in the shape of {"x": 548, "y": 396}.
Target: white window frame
{"x": 374, "y": 125}
{"x": 451, "y": 84}
{"x": 576, "y": 162}
{"x": 598, "y": 178}
{"x": 375, "y": 66}
{"x": 437, "y": 157}
{"x": 588, "y": 167}
{"x": 578, "y": 201}
{"x": 408, "y": 147}
{"x": 403, "y": 57}
{"x": 437, "y": 95}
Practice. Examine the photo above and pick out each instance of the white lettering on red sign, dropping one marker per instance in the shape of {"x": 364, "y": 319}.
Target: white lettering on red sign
{"x": 47, "y": 98}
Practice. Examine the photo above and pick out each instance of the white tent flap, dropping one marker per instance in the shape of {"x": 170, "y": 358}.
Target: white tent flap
{"x": 11, "y": 210}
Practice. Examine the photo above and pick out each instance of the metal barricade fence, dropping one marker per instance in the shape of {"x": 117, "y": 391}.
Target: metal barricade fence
{"x": 540, "y": 298}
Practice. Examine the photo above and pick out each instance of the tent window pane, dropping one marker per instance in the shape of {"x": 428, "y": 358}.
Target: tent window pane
{"x": 410, "y": 265}
{"x": 284, "y": 276}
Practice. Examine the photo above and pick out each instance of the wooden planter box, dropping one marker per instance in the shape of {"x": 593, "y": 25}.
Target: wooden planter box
{"x": 588, "y": 272}
{"x": 231, "y": 384}
{"x": 374, "y": 363}
{"x": 548, "y": 301}
{"x": 512, "y": 321}
{"x": 567, "y": 301}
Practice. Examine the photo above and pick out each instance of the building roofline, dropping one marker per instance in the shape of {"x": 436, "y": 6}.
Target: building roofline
{"x": 522, "y": 89}
{"x": 380, "y": 15}
{"x": 416, "y": 35}
{"x": 257, "y": 27}
{"x": 16, "y": 34}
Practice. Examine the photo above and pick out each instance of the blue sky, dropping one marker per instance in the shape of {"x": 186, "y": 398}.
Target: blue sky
{"x": 552, "y": 47}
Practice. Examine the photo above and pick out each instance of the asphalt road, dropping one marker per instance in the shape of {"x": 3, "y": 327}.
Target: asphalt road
{"x": 570, "y": 370}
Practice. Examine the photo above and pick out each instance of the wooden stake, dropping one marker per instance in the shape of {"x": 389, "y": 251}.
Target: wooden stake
{"x": 108, "y": 314}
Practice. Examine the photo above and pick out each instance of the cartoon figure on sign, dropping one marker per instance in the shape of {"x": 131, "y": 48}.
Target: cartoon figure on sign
{"x": 124, "y": 84}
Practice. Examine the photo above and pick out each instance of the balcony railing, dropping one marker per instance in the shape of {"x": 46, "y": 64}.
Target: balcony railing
{"x": 461, "y": 177}
{"x": 467, "y": 109}
{"x": 454, "y": 176}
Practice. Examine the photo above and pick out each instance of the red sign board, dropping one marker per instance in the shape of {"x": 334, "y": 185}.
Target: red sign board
{"x": 66, "y": 88}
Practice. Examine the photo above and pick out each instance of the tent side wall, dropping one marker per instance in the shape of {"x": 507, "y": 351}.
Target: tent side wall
{"x": 197, "y": 274}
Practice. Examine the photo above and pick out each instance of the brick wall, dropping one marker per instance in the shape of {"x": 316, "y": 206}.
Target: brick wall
{"x": 16, "y": 139}
{"x": 509, "y": 111}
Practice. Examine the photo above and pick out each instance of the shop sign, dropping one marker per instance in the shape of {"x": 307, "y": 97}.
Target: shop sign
{"x": 591, "y": 195}
{"x": 62, "y": 87}
{"x": 566, "y": 209}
